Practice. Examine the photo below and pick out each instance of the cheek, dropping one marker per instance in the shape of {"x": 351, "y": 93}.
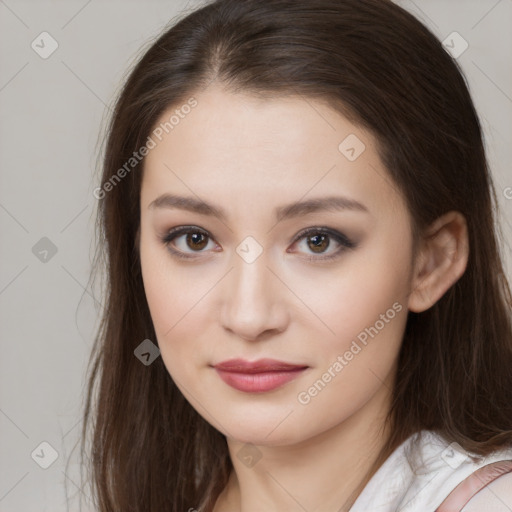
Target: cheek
{"x": 171, "y": 300}
{"x": 363, "y": 304}
{"x": 172, "y": 309}
{"x": 169, "y": 291}
{"x": 354, "y": 364}
{"x": 179, "y": 300}
{"x": 172, "y": 303}
{"x": 367, "y": 289}
{"x": 364, "y": 343}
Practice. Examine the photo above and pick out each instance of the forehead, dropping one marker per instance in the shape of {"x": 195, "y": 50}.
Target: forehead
{"x": 242, "y": 149}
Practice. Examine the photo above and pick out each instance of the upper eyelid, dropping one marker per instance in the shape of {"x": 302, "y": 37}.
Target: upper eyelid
{"x": 319, "y": 229}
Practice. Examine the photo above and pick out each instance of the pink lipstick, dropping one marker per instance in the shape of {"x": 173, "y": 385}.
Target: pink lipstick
{"x": 257, "y": 376}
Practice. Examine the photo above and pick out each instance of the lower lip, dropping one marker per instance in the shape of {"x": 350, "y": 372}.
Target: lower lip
{"x": 258, "y": 382}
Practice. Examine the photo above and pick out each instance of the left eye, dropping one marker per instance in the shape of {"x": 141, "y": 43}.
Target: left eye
{"x": 318, "y": 241}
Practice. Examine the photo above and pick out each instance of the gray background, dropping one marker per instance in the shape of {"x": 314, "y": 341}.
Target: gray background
{"x": 53, "y": 111}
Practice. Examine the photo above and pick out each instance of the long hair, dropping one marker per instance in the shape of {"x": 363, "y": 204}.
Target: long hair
{"x": 380, "y": 67}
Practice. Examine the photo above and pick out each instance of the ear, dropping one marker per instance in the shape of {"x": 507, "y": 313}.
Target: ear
{"x": 441, "y": 261}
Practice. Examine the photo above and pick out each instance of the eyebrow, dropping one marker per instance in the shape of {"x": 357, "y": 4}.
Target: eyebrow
{"x": 331, "y": 203}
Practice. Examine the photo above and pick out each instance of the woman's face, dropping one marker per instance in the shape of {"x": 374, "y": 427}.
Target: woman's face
{"x": 248, "y": 282}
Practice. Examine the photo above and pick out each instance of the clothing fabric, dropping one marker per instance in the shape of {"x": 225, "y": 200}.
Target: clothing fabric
{"x": 425, "y": 471}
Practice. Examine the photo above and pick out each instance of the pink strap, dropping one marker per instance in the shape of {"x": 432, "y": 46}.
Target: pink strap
{"x": 475, "y": 482}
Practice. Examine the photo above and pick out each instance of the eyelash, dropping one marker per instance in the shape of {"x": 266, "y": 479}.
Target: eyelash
{"x": 340, "y": 238}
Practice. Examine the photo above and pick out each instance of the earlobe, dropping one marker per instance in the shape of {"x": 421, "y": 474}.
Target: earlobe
{"x": 441, "y": 261}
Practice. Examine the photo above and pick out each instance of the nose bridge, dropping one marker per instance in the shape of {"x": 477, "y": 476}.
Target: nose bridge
{"x": 251, "y": 280}
{"x": 252, "y": 303}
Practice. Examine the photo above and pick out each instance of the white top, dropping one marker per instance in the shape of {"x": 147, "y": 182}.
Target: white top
{"x": 420, "y": 481}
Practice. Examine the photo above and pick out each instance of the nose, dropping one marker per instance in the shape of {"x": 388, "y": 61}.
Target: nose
{"x": 254, "y": 303}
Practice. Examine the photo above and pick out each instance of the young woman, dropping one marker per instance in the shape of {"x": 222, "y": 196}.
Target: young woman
{"x": 306, "y": 307}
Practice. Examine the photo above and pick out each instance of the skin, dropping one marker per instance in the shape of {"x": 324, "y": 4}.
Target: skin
{"x": 249, "y": 155}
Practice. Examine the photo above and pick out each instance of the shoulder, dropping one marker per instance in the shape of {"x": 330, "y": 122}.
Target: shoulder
{"x": 483, "y": 485}
{"x": 494, "y": 497}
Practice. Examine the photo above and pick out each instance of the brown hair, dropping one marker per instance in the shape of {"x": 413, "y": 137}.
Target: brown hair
{"x": 379, "y": 66}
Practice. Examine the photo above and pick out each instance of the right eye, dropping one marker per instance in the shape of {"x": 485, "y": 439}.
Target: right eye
{"x": 196, "y": 239}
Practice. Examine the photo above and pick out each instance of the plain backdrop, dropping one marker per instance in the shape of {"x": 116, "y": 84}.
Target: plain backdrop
{"x": 53, "y": 111}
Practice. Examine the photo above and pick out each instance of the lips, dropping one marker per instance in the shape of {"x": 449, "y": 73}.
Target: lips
{"x": 257, "y": 376}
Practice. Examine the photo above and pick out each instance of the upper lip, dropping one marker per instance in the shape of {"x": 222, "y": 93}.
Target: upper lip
{"x": 259, "y": 366}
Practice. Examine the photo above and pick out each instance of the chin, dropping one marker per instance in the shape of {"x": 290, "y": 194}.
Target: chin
{"x": 262, "y": 439}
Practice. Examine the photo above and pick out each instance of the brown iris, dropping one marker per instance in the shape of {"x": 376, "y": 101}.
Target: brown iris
{"x": 316, "y": 244}
{"x": 197, "y": 240}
